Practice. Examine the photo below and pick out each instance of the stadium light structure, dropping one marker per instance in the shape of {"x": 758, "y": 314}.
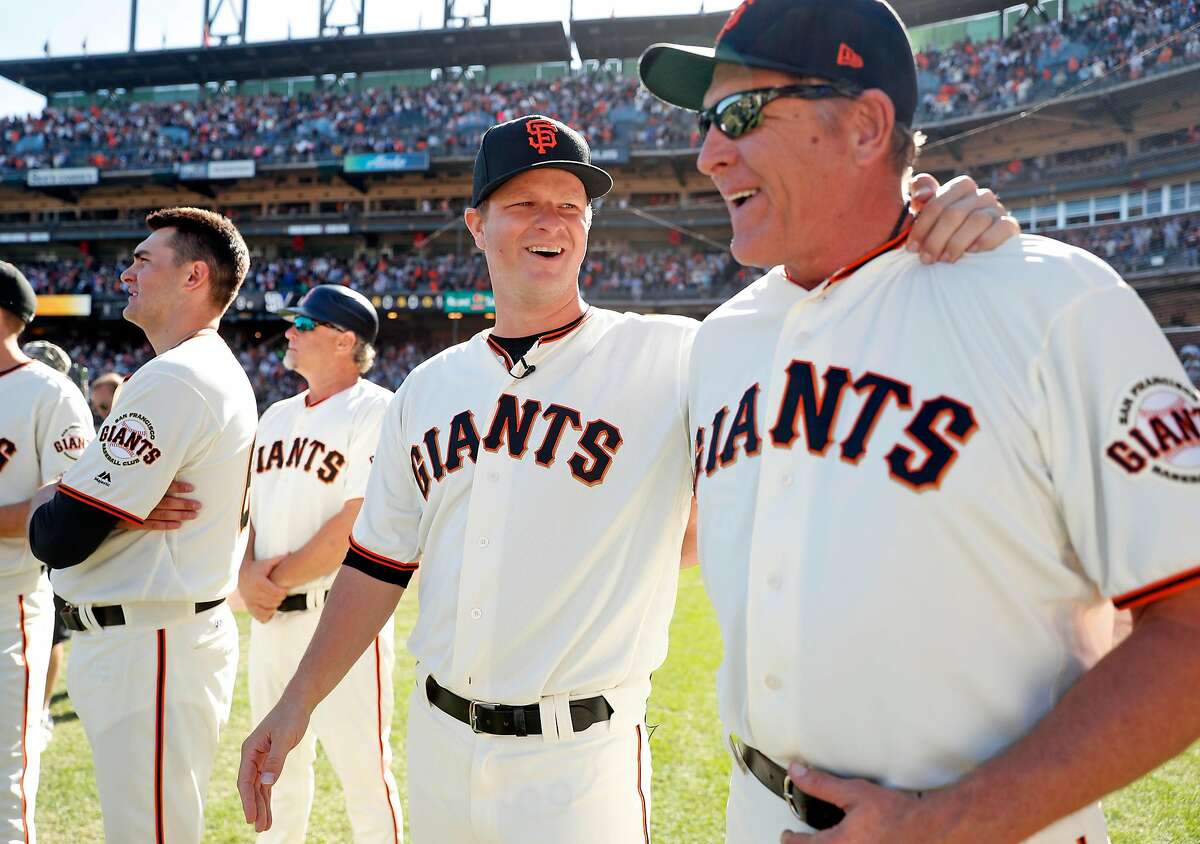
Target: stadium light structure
{"x": 212, "y": 12}
{"x": 325, "y": 28}
{"x": 455, "y": 18}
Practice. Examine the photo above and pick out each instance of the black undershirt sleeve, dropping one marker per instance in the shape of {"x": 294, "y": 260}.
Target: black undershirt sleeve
{"x": 394, "y": 576}
{"x": 64, "y": 532}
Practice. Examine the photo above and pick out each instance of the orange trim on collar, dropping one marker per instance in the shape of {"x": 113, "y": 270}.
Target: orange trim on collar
{"x": 853, "y": 267}
{"x": 548, "y": 337}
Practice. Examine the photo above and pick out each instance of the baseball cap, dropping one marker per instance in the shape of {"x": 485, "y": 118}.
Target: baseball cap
{"x": 862, "y": 42}
{"x": 48, "y": 353}
{"x": 16, "y": 293}
{"x": 340, "y": 306}
{"x": 508, "y": 149}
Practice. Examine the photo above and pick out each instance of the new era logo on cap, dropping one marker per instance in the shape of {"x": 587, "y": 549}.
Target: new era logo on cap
{"x": 543, "y": 135}
{"x": 734, "y": 18}
{"x": 846, "y": 56}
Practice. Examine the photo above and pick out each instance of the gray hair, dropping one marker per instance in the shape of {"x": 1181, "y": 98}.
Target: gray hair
{"x": 364, "y": 355}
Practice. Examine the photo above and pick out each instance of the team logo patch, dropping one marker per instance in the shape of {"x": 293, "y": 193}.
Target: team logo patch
{"x": 71, "y": 442}
{"x": 1156, "y": 430}
{"x": 543, "y": 135}
{"x": 128, "y": 440}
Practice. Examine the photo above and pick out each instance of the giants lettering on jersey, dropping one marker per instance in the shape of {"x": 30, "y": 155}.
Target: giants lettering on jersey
{"x": 516, "y": 426}
{"x": 71, "y": 442}
{"x": 128, "y": 440}
{"x": 301, "y": 454}
{"x": 7, "y": 449}
{"x": 809, "y": 411}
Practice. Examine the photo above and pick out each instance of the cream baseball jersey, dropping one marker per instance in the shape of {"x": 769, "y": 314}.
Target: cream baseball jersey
{"x": 308, "y": 462}
{"x": 188, "y": 414}
{"x": 545, "y": 502}
{"x": 44, "y": 426}
{"x": 921, "y": 492}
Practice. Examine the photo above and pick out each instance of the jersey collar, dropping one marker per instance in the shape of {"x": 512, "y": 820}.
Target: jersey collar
{"x": 15, "y": 368}
{"x": 898, "y": 238}
{"x": 522, "y": 367}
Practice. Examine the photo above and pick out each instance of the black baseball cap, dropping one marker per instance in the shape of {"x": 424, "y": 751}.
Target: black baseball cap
{"x": 340, "y": 306}
{"x": 16, "y": 293}
{"x": 511, "y": 148}
{"x": 862, "y": 42}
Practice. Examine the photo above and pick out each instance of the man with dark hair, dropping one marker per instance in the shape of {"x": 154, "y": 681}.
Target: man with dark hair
{"x": 155, "y": 650}
{"x": 44, "y": 425}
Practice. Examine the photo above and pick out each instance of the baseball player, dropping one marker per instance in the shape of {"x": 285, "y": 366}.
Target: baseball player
{"x": 44, "y": 426}
{"x": 545, "y": 503}
{"x": 155, "y": 646}
{"x": 309, "y": 473}
{"x": 922, "y": 492}
{"x": 57, "y": 359}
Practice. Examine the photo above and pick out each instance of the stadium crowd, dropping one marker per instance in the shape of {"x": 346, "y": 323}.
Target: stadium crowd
{"x": 1142, "y": 245}
{"x": 663, "y": 273}
{"x": 261, "y": 358}
{"x": 447, "y": 117}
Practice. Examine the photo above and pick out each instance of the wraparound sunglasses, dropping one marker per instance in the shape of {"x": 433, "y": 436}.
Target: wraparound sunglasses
{"x": 738, "y": 113}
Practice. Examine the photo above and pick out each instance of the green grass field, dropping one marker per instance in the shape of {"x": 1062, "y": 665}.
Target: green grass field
{"x": 690, "y": 763}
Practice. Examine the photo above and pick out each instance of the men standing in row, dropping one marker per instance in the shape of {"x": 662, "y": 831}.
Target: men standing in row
{"x": 308, "y": 476}
{"x": 154, "y": 659}
{"x": 44, "y": 426}
{"x": 922, "y": 489}
{"x": 539, "y": 476}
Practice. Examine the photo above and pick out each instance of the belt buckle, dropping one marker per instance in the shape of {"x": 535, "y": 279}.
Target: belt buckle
{"x": 736, "y": 746}
{"x": 791, "y": 796}
{"x": 70, "y": 612}
{"x": 473, "y": 714}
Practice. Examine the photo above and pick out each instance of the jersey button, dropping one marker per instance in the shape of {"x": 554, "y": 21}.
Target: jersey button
{"x": 772, "y": 682}
{"x": 477, "y": 613}
{"x": 483, "y": 542}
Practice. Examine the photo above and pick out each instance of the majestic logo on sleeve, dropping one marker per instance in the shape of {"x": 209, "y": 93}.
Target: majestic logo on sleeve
{"x": 808, "y": 416}
{"x": 516, "y": 426}
{"x": 1156, "y": 429}
{"x": 128, "y": 440}
{"x": 71, "y": 442}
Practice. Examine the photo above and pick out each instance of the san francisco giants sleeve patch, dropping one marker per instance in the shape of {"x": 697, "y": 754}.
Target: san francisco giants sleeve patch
{"x": 1156, "y": 430}
{"x": 128, "y": 440}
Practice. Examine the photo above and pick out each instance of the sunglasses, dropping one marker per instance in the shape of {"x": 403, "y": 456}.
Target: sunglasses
{"x": 305, "y": 324}
{"x": 738, "y": 113}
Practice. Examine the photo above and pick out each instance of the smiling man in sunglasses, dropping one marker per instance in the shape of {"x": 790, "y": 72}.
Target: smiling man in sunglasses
{"x": 922, "y": 489}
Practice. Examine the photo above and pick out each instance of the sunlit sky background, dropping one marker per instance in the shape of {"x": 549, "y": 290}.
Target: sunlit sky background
{"x": 104, "y": 24}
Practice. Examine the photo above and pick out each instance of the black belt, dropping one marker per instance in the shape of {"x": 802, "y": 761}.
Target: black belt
{"x": 499, "y": 720}
{"x": 113, "y": 616}
{"x": 815, "y": 812}
{"x": 296, "y": 603}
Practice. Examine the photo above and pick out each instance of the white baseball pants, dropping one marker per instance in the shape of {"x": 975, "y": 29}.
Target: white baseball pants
{"x": 152, "y": 702}
{"x": 353, "y": 724}
{"x": 588, "y": 788}
{"x": 26, "y": 627}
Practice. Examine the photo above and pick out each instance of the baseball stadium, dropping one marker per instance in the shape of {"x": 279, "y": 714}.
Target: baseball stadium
{"x": 346, "y": 155}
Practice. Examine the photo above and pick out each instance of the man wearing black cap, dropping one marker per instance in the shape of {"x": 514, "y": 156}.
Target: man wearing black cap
{"x": 540, "y": 477}
{"x": 922, "y": 489}
{"x": 44, "y": 426}
{"x": 154, "y": 655}
{"x": 312, "y": 455}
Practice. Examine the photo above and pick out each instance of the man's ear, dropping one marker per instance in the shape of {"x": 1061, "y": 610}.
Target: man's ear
{"x": 870, "y": 125}
{"x": 199, "y": 276}
{"x": 473, "y": 217}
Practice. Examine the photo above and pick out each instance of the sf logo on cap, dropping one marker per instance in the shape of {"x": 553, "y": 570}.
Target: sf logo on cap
{"x": 543, "y": 135}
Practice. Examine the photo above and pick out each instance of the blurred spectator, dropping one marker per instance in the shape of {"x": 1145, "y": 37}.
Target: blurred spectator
{"x": 104, "y": 390}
